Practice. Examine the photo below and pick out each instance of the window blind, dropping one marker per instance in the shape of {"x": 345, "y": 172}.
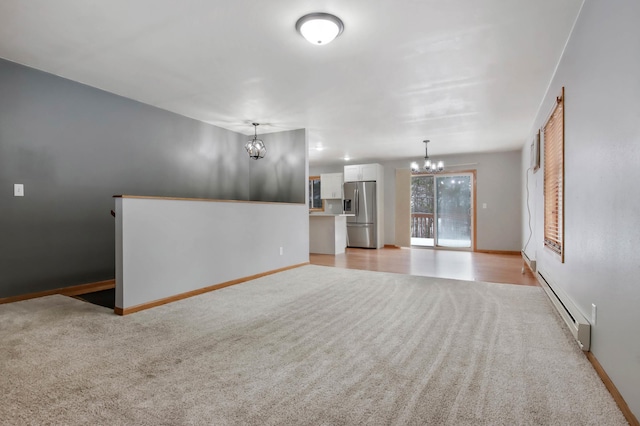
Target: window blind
{"x": 554, "y": 179}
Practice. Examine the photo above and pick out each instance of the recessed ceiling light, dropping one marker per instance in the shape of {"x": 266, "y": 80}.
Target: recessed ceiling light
{"x": 319, "y": 28}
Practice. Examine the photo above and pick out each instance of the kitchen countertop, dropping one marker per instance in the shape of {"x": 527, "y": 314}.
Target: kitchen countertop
{"x": 331, "y": 214}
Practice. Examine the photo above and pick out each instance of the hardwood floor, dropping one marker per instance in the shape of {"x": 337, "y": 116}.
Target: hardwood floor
{"x": 498, "y": 268}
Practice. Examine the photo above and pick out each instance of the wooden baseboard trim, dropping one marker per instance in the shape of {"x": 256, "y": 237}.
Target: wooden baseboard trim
{"x": 622, "y": 404}
{"x": 509, "y": 252}
{"x": 159, "y": 302}
{"x": 89, "y": 288}
{"x": 66, "y": 291}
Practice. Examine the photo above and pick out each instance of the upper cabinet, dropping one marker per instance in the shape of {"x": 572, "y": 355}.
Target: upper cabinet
{"x": 362, "y": 172}
{"x": 331, "y": 186}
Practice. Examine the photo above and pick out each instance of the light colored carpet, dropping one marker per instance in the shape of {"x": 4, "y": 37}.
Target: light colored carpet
{"x": 313, "y": 345}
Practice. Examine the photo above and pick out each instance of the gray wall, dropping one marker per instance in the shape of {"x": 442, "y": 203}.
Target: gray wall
{"x": 74, "y": 147}
{"x": 277, "y": 176}
{"x": 599, "y": 70}
{"x": 498, "y": 185}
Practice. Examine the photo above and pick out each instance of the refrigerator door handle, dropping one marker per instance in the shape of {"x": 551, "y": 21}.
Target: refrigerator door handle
{"x": 357, "y": 196}
{"x": 355, "y": 201}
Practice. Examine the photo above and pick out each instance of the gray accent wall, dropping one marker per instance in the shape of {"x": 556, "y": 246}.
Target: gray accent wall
{"x": 600, "y": 71}
{"x": 498, "y": 185}
{"x": 74, "y": 147}
{"x": 277, "y": 176}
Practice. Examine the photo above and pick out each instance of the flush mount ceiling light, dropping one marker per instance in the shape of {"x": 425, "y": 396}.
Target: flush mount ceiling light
{"x": 429, "y": 166}
{"x": 255, "y": 147}
{"x": 319, "y": 28}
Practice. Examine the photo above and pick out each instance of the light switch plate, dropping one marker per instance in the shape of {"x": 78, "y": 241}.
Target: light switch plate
{"x": 18, "y": 190}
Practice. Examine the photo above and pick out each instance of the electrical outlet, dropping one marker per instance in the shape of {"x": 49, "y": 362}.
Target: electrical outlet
{"x": 18, "y": 190}
{"x": 593, "y": 314}
{"x": 281, "y": 251}
{"x": 484, "y": 205}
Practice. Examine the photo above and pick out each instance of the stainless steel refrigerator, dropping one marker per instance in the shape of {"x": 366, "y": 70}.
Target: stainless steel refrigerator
{"x": 360, "y": 200}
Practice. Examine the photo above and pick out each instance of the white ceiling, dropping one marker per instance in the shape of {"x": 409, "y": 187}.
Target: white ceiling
{"x": 467, "y": 74}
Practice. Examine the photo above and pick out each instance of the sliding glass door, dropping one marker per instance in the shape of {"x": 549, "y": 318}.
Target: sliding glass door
{"x": 442, "y": 210}
{"x": 422, "y": 210}
{"x": 454, "y": 211}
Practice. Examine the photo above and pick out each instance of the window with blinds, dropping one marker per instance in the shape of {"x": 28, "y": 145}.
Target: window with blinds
{"x": 554, "y": 179}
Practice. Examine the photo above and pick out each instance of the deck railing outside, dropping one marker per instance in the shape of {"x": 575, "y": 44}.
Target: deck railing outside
{"x": 421, "y": 225}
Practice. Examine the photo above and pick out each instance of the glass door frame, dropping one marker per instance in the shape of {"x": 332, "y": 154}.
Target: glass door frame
{"x": 472, "y": 174}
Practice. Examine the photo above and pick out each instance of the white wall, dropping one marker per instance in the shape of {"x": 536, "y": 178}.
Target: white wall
{"x": 498, "y": 185}
{"x": 168, "y": 247}
{"x": 600, "y": 71}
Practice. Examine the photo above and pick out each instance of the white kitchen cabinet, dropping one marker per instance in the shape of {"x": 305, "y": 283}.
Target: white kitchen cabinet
{"x": 331, "y": 185}
{"x": 362, "y": 172}
{"x": 351, "y": 173}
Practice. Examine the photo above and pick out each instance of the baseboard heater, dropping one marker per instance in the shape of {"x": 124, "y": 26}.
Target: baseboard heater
{"x": 577, "y": 323}
{"x": 531, "y": 263}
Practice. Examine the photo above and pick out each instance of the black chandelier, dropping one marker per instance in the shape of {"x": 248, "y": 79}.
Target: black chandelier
{"x": 255, "y": 147}
{"x": 429, "y": 166}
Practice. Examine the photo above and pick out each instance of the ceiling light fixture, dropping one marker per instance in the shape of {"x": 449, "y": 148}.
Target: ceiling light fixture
{"x": 429, "y": 166}
{"x": 319, "y": 28}
{"x": 255, "y": 147}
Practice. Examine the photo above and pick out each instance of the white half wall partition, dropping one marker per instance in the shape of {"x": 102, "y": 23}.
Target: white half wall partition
{"x": 171, "y": 247}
